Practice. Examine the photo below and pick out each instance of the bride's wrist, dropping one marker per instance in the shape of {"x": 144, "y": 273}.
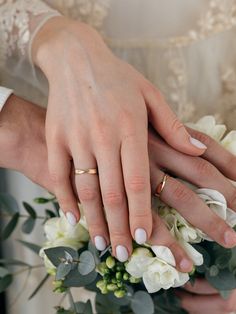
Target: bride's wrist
{"x": 58, "y": 39}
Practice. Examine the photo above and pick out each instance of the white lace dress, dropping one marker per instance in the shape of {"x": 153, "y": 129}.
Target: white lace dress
{"x": 187, "y": 48}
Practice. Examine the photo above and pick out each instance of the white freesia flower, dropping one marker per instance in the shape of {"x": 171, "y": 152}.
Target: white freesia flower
{"x": 195, "y": 256}
{"x": 156, "y": 272}
{"x": 208, "y": 126}
{"x": 60, "y": 233}
{"x": 229, "y": 142}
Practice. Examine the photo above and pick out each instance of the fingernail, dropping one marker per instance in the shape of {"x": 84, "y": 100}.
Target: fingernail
{"x": 197, "y": 143}
{"x": 100, "y": 243}
{"x": 230, "y": 238}
{"x": 186, "y": 265}
{"x": 140, "y": 236}
{"x": 71, "y": 218}
{"x": 122, "y": 253}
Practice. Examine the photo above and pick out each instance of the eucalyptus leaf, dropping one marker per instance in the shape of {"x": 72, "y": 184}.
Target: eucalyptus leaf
{"x": 30, "y": 210}
{"x": 50, "y": 213}
{"x": 28, "y": 225}
{"x": 225, "y": 280}
{"x": 225, "y": 293}
{"x": 3, "y": 272}
{"x": 105, "y": 306}
{"x": 63, "y": 270}
{"x": 57, "y": 254}
{"x": 13, "y": 262}
{"x": 213, "y": 271}
{"x": 142, "y": 303}
{"x": 33, "y": 247}
{"x": 84, "y": 308}
{"x": 39, "y": 286}
{"x": 5, "y": 282}
{"x": 10, "y": 227}
{"x": 8, "y": 204}
{"x": 41, "y": 200}
{"x": 75, "y": 279}
{"x": 222, "y": 261}
{"x": 86, "y": 263}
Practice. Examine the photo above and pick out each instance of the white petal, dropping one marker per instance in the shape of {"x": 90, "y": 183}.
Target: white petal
{"x": 164, "y": 253}
{"x": 196, "y": 257}
{"x": 231, "y": 217}
{"x": 183, "y": 278}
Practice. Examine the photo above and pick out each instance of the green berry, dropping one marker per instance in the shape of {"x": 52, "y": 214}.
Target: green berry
{"x": 118, "y": 275}
{"x": 120, "y": 293}
{"x": 110, "y": 262}
{"x": 126, "y": 276}
{"x": 134, "y": 280}
{"x": 112, "y": 287}
{"x": 102, "y": 268}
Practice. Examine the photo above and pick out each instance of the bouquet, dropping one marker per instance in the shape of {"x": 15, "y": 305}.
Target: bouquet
{"x": 146, "y": 283}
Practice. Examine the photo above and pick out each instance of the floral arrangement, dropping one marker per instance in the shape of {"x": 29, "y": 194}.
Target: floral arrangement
{"x": 146, "y": 282}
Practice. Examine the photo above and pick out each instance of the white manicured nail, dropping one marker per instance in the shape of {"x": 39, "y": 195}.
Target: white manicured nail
{"x": 140, "y": 236}
{"x": 197, "y": 143}
{"x": 71, "y": 218}
{"x": 100, "y": 243}
{"x": 122, "y": 253}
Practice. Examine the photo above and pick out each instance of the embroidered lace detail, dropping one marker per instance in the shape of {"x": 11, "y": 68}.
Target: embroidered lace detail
{"x": 15, "y": 25}
{"x": 92, "y": 12}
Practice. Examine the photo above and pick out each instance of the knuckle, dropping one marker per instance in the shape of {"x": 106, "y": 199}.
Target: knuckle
{"x": 181, "y": 194}
{"x": 176, "y": 125}
{"x": 137, "y": 183}
{"x": 204, "y": 168}
{"x": 87, "y": 193}
{"x": 56, "y": 177}
{"x": 113, "y": 198}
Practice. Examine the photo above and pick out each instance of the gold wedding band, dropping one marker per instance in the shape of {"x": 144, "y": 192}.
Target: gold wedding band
{"x": 161, "y": 186}
{"x": 88, "y": 171}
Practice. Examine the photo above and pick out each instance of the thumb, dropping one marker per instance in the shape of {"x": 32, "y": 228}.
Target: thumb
{"x": 168, "y": 125}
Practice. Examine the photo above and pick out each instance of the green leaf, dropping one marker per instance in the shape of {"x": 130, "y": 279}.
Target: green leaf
{"x": 214, "y": 270}
{"x": 63, "y": 270}
{"x": 56, "y": 254}
{"x": 225, "y": 280}
{"x": 30, "y": 210}
{"x": 142, "y": 303}
{"x": 86, "y": 263}
{"x": 41, "y": 200}
{"x": 10, "y": 227}
{"x": 28, "y": 225}
{"x": 13, "y": 262}
{"x": 40, "y": 285}
{"x": 33, "y": 247}
{"x": 75, "y": 279}
{"x": 84, "y": 308}
{"x": 5, "y": 282}
{"x": 105, "y": 306}
{"x": 50, "y": 213}
{"x": 225, "y": 293}
{"x": 3, "y": 272}
{"x": 8, "y": 204}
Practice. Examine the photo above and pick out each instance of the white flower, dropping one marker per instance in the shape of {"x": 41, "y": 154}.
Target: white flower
{"x": 195, "y": 256}
{"x": 60, "y": 233}
{"x": 157, "y": 272}
{"x": 229, "y": 142}
{"x": 208, "y": 126}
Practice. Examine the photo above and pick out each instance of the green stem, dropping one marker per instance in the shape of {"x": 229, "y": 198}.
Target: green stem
{"x": 71, "y": 300}
{"x": 29, "y": 268}
{"x": 21, "y": 216}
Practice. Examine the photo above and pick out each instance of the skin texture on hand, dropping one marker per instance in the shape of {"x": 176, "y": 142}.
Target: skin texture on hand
{"x": 97, "y": 116}
{"x": 22, "y": 140}
{"x": 203, "y": 298}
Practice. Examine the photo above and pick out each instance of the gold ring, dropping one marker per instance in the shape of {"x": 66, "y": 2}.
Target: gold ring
{"x": 88, "y": 171}
{"x": 161, "y": 186}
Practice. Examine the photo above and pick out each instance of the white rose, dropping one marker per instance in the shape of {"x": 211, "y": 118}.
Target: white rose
{"x": 208, "y": 126}
{"x": 60, "y": 233}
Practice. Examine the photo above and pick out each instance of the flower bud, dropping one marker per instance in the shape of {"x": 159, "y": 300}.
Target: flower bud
{"x": 126, "y": 276}
{"x": 192, "y": 271}
{"x": 119, "y": 275}
{"x": 102, "y": 268}
{"x": 120, "y": 293}
{"x": 134, "y": 280}
{"x": 110, "y": 262}
{"x": 112, "y": 287}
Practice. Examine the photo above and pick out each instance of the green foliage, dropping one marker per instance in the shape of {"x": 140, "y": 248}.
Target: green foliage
{"x": 28, "y": 225}
{"x": 39, "y": 286}
{"x": 32, "y": 246}
{"x": 10, "y": 227}
{"x": 57, "y": 254}
{"x": 84, "y": 308}
{"x": 86, "y": 263}
{"x": 142, "y": 302}
{"x": 5, "y": 279}
{"x": 8, "y": 204}
{"x": 75, "y": 279}
{"x": 63, "y": 270}
{"x": 30, "y": 210}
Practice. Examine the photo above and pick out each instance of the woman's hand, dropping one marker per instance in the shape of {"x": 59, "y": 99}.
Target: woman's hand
{"x": 97, "y": 116}
{"x": 213, "y": 170}
{"x": 201, "y": 298}
{"x": 22, "y": 140}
